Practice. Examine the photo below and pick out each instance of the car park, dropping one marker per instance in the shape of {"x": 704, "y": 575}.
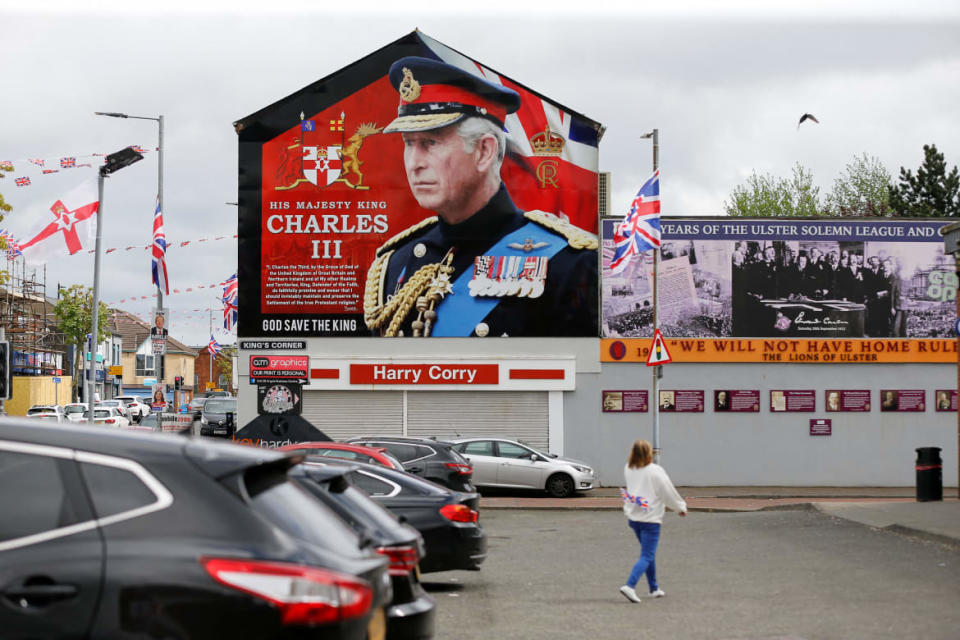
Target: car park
{"x": 147, "y": 535}
{"x": 218, "y": 418}
{"x": 359, "y": 453}
{"x": 135, "y": 406}
{"x": 435, "y": 460}
{"x": 410, "y": 615}
{"x": 75, "y": 411}
{"x": 447, "y": 520}
{"x": 498, "y": 462}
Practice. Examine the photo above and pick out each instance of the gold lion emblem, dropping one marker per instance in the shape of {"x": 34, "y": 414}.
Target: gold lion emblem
{"x": 409, "y": 88}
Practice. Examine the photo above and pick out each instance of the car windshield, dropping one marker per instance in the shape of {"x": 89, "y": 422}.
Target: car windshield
{"x": 34, "y": 410}
{"x": 102, "y": 413}
{"x": 220, "y": 405}
{"x": 75, "y": 408}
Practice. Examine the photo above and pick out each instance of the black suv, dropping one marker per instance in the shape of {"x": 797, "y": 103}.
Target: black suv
{"x": 108, "y": 534}
{"x": 435, "y": 460}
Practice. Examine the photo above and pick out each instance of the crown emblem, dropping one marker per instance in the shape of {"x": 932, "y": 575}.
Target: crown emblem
{"x": 409, "y": 88}
{"x": 547, "y": 143}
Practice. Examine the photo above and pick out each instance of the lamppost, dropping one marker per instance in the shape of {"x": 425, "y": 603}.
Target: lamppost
{"x": 658, "y": 369}
{"x": 159, "y": 120}
{"x": 114, "y": 162}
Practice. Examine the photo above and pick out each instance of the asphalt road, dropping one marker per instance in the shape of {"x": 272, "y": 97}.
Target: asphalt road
{"x": 788, "y": 575}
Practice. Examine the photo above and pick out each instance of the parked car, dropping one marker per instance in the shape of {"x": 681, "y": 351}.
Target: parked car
{"x": 136, "y": 407}
{"x": 498, "y": 462}
{"x": 410, "y": 615}
{"x": 119, "y": 405}
{"x": 218, "y": 394}
{"x": 45, "y": 410}
{"x": 172, "y": 537}
{"x": 360, "y": 453}
{"x": 75, "y": 411}
{"x": 214, "y": 419}
{"x": 45, "y": 414}
{"x": 447, "y": 520}
{"x": 196, "y": 407}
{"x": 435, "y": 460}
{"x": 109, "y": 416}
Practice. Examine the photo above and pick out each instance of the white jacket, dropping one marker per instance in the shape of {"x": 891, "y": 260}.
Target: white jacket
{"x": 648, "y": 490}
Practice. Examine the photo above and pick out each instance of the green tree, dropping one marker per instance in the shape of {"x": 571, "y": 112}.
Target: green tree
{"x": 4, "y": 208}
{"x": 862, "y": 189}
{"x": 768, "y": 196}
{"x": 931, "y": 193}
{"x": 75, "y": 319}
{"x": 224, "y": 362}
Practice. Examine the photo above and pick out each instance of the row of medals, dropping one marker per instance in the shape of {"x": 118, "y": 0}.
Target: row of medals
{"x": 499, "y": 276}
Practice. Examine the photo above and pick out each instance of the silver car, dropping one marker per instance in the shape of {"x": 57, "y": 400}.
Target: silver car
{"x": 498, "y": 462}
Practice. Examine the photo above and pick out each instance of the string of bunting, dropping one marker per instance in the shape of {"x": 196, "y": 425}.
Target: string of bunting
{"x": 56, "y": 164}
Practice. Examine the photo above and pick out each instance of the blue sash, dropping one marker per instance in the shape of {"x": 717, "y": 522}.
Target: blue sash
{"x": 459, "y": 313}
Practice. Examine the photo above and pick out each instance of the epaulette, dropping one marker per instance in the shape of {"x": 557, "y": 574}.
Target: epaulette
{"x": 407, "y": 233}
{"x": 576, "y": 237}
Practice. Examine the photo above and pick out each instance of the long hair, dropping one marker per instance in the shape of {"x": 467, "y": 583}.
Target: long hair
{"x": 641, "y": 454}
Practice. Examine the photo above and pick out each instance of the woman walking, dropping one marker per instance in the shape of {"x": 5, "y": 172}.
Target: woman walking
{"x": 648, "y": 490}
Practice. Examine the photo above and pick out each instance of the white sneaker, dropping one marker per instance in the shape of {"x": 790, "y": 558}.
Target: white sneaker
{"x": 630, "y": 594}
{"x": 659, "y": 593}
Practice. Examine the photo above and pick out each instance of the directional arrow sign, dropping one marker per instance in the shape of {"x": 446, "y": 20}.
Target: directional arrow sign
{"x": 658, "y": 351}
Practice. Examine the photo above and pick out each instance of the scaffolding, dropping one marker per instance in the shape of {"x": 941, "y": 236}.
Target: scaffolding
{"x": 26, "y": 314}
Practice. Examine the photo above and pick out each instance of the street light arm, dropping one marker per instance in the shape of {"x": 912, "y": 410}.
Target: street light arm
{"x": 114, "y": 114}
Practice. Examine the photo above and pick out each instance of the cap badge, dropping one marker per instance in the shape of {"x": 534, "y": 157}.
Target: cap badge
{"x": 409, "y": 88}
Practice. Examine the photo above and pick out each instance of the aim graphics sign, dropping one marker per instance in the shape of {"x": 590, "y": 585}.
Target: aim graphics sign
{"x": 332, "y": 241}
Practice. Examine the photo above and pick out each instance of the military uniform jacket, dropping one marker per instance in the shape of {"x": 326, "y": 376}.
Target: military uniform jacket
{"x": 502, "y": 272}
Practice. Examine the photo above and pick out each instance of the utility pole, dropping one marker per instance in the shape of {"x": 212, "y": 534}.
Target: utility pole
{"x": 658, "y": 369}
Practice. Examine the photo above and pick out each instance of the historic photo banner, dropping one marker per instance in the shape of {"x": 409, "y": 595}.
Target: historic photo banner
{"x": 325, "y": 201}
{"x": 784, "y": 290}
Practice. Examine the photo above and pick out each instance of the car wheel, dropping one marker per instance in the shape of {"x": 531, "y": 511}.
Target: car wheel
{"x": 560, "y": 485}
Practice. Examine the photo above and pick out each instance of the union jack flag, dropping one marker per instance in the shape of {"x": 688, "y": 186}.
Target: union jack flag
{"x": 37, "y": 161}
{"x": 230, "y": 303}
{"x": 23, "y": 182}
{"x": 68, "y": 163}
{"x": 13, "y": 247}
{"x": 159, "y": 252}
{"x": 214, "y": 347}
{"x": 640, "y": 230}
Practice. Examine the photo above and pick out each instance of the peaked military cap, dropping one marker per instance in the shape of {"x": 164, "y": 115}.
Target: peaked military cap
{"x": 435, "y": 94}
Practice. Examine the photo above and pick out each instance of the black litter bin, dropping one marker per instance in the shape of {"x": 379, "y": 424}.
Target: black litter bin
{"x": 929, "y": 474}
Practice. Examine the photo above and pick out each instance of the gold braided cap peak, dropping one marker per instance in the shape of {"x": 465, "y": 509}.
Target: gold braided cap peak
{"x": 406, "y": 233}
{"x": 576, "y": 237}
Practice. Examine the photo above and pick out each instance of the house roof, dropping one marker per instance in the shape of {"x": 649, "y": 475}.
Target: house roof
{"x": 134, "y": 331}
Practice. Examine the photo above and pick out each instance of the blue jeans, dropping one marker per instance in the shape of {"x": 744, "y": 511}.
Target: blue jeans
{"x": 648, "y": 533}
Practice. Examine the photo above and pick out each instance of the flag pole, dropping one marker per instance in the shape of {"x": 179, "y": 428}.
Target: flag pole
{"x": 210, "y": 355}
{"x": 657, "y": 370}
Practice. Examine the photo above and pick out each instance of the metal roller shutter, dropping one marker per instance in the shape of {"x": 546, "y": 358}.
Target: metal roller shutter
{"x": 518, "y": 415}
{"x": 342, "y": 414}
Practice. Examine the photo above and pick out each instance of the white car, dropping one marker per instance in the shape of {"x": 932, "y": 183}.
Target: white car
{"x": 136, "y": 408}
{"x": 76, "y": 411}
{"x": 119, "y": 405}
{"x": 47, "y": 415}
{"x": 109, "y": 417}
{"x": 498, "y": 462}
{"x": 46, "y": 409}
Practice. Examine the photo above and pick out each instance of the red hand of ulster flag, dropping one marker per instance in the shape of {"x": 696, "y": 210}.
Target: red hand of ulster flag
{"x": 66, "y": 221}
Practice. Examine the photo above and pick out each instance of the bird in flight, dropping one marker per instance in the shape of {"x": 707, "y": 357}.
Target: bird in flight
{"x": 806, "y": 116}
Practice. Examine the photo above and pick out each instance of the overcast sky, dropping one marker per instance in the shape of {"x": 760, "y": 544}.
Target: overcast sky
{"x": 724, "y": 82}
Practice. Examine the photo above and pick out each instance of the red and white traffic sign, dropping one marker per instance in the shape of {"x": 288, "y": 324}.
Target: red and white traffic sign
{"x": 658, "y": 351}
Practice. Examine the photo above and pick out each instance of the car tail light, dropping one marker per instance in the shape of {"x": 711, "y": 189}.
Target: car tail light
{"x": 403, "y": 560}
{"x": 462, "y": 469}
{"x": 303, "y": 595}
{"x": 458, "y": 513}
{"x": 109, "y": 420}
